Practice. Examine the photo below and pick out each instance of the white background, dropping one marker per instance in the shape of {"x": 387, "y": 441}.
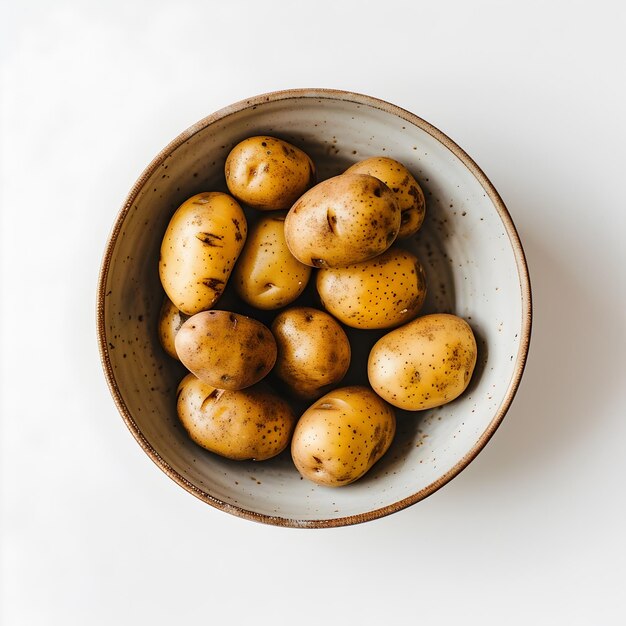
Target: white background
{"x": 533, "y": 532}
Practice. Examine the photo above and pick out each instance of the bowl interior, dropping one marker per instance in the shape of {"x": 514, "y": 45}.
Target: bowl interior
{"x": 472, "y": 268}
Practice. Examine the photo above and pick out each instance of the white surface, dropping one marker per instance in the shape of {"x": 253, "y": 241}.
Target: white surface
{"x": 93, "y": 533}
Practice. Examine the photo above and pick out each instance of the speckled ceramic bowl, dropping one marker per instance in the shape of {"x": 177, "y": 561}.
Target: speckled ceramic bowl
{"x": 475, "y": 268}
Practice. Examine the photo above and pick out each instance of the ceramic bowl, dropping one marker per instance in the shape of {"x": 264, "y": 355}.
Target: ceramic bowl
{"x": 475, "y": 268}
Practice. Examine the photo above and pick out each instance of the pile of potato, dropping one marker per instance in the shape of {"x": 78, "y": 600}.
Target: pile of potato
{"x": 343, "y": 230}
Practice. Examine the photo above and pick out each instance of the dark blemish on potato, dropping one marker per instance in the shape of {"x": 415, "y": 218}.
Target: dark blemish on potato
{"x": 215, "y": 284}
{"x": 318, "y": 262}
{"x": 111, "y": 346}
{"x": 378, "y": 448}
{"x": 215, "y": 395}
{"x": 308, "y": 317}
{"x": 413, "y": 191}
{"x": 233, "y": 319}
{"x": 210, "y": 239}
{"x": 345, "y": 477}
{"x": 317, "y": 460}
{"x": 259, "y": 368}
{"x": 225, "y": 378}
{"x": 331, "y": 219}
{"x": 378, "y": 192}
{"x": 238, "y": 235}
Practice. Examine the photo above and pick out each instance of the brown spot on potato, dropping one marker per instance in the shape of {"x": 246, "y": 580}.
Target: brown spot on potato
{"x": 238, "y": 235}
{"x": 213, "y": 396}
{"x": 415, "y": 192}
{"x": 215, "y": 241}
{"x": 215, "y": 284}
{"x": 331, "y": 219}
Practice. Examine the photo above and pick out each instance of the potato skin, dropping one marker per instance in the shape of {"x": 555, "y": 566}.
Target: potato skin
{"x": 199, "y": 250}
{"x": 226, "y": 350}
{"x": 424, "y": 364}
{"x": 250, "y": 424}
{"x": 342, "y": 220}
{"x": 268, "y": 173}
{"x": 267, "y": 276}
{"x": 340, "y": 437}
{"x": 313, "y": 351}
{"x": 405, "y": 188}
{"x": 379, "y": 293}
{"x": 170, "y": 321}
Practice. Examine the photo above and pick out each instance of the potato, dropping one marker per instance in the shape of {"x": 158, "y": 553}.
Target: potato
{"x": 342, "y": 435}
{"x": 267, "y": 276}
{"x": 380, "y": 293}
{"x": 170, "y": 321}
{"x": 250, "y": 424}
{"x": 343, "y": 220}
{"x": 267, "y": 173}
{"x": 199, "y": 250}
{"x": 406, "y": 190}
{"x": 313, "y": 351}
{"x": 425, "y": 363}
{"x": 226, "y": 350}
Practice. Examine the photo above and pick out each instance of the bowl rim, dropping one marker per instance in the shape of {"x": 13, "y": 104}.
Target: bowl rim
{"x": 522, "y": 268}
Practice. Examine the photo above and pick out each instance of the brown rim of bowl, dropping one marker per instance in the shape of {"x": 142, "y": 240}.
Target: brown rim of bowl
{"x": 522, "y": 268}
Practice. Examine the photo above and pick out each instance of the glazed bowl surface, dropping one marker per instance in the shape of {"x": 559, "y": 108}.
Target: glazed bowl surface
{"x": 475, "y": 268}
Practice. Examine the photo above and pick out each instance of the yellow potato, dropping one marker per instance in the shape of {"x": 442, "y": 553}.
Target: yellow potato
{"x": 342, "y": 435}
{"x": 267, "y": 173}
{"x": 170, "y": 321}
{"x": 226, "y": 350}
{"x": 424, "y": 364}
{"x": 313, "y": 351}
{"x": 199, "y": 250}
{"x": 267, "y": 276}
{"x": 343, "y": 220}
{"x": 380, "y": 293}
{"x": 250, "y": 424}
{"x": 406, "y": 190}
